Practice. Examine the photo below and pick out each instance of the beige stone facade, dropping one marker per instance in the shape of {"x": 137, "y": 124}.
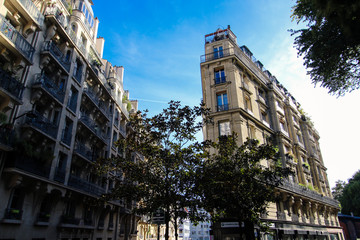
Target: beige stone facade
{"x": 62, "y": 106}
{"x": 247, "y": 99}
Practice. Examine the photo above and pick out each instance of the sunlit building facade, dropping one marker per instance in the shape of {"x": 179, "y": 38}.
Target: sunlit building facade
{"x": 247, "y": 99}
{"x": 62, "y": 106}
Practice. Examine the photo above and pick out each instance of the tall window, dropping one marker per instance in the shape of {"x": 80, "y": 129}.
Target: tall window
{"x": 224, "y": 128}
{"x": 218, "y": 52}
{"x": 220, "y": 76}
{"x": 222, "y": 102}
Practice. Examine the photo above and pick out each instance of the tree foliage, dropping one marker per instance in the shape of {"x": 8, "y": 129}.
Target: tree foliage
{"x": 235, "y": 184}
{"x": 350, "y": 199}
{"x": 331, "y": 42}
{"x": 337, "y": 191}
{"x": 164, "y": 176}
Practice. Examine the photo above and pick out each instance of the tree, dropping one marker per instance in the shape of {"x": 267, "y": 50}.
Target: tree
{"x": 162, "y": 175}
{"x": 350, "y": 199}
{"x": 331, "y": 42}
{"x": 234, "y": 184}
{"x": 337, "y": 191}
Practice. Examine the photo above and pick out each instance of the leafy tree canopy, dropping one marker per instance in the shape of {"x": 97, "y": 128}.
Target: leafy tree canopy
{"x": 236, "y": 184}
{"x": 337, "y": 191}
{"x": 331, "y": 42}
{"x": 350, "y": 199}
{"x": 161, "y": 157}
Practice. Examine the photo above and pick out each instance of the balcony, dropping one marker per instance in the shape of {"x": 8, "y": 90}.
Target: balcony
{"x": 56, "y": 53}
{"x": 59, "y": 175}
{"x": 30, "y": 8}
{"x": 57, "y": 14}
{"x": 85, "y": 186}
{"x": 90, "y": 123}
{"x": 28, "y": 164}
{"x": 7, "y": 136}
{"x": 13, "y": 214}
{"x": 11, "y": 85}
{"x": 39, "y": 122}
{"x": 17, "y": 39}
{"x": 216, "y": 55}
{"x": 50, "y": 87}
{"x": 220, "y": 80}
{"x": 224, "y": 107}
{"x": 295, "y": 188}
{"x": 78, "y": 76}
{"x": 69, "y": 220}
{"x": 85, "y": 152}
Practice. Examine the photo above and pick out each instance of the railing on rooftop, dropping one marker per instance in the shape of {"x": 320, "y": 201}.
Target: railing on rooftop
{"x": 33, "y": 10}
{"x": 57, "y": 54}
{"x": 15, "y": 37}
{"x": 220, "y": 35}
{"x": 50, "y": 86}
{"x": 10, "y": 84}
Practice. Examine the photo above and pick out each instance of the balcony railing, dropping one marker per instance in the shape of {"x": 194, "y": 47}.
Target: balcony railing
{"x": 308, "y": 193}
{"x": 28, "y": 164}
{"x": 57, "y": 54}
{"x": 15, "y": 37}
{"x": 50, "y": 86}
{"x": 10, "y": 84}
{"x": 70, "y": 220}
{"x": 72, "y": 104}
{"x": 216, "y": 55}
{"x": 41, "y": 123}
{"x": 224, "y": 107}
{"x": 90, "y": 123}
{"x": 86, "y": 186}
{"x": 90, "y": 93}
{"x": 13, "y": 214}
{"x": 59, "y": 175}
{"x": 219, "y": 80}
{"x": 32, "y": 10}
{"x": 6, "y": 136}
{"x": 85, "y": 152}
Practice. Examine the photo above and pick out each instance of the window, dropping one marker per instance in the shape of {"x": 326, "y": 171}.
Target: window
{"x": 222, "y": 102}
{"x": 218, "y": 52}
{"x": 261, "y": 94}
{"x": 14, "y": 210}
{"x": 264, "y": 116}
{"x": 247, "y": 104}
{"x": 220, "y": 76}
{"x": 224, "y": 128}
{"x": 72, "y": 101}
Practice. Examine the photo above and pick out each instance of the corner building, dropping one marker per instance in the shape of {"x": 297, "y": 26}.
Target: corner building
{"x": 62, "y": 106}
{"x": 247, "y": 99}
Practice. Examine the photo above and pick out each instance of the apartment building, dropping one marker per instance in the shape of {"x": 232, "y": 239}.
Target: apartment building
{"x": 62, "y": 106}
{"x": 247, "y": 99}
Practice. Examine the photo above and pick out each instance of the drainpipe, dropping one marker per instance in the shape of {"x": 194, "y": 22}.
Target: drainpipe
{"x": 117, "y": 222}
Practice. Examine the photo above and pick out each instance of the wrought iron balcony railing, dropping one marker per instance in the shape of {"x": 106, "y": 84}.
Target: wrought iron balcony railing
{"x": 59, "y": 175}
{"x": 41, "y": 123}
{"x": 28, "y": 164}
{"x": 13, "y": 214}
{"x": 10, "y": 84}
{"x": 50, "y": 86}
{"x": 216, "y": 55}
{"x": 16, "y": 38}
{"x": 33, "y": 10}
{"x": 85, "y": 152}
{"x": 57, "y": 54}
{"x": 69, "y": 220}
{"x": 309, "y": 193}
{"x": 85, "y": 186}
{"x": 90, "y": 123}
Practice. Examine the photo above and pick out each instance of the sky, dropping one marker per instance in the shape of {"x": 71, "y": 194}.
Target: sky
{"x": 160, "y": 42}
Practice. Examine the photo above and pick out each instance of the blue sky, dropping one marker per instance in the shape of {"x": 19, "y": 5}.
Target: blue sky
{"x": 159, "y": 43}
